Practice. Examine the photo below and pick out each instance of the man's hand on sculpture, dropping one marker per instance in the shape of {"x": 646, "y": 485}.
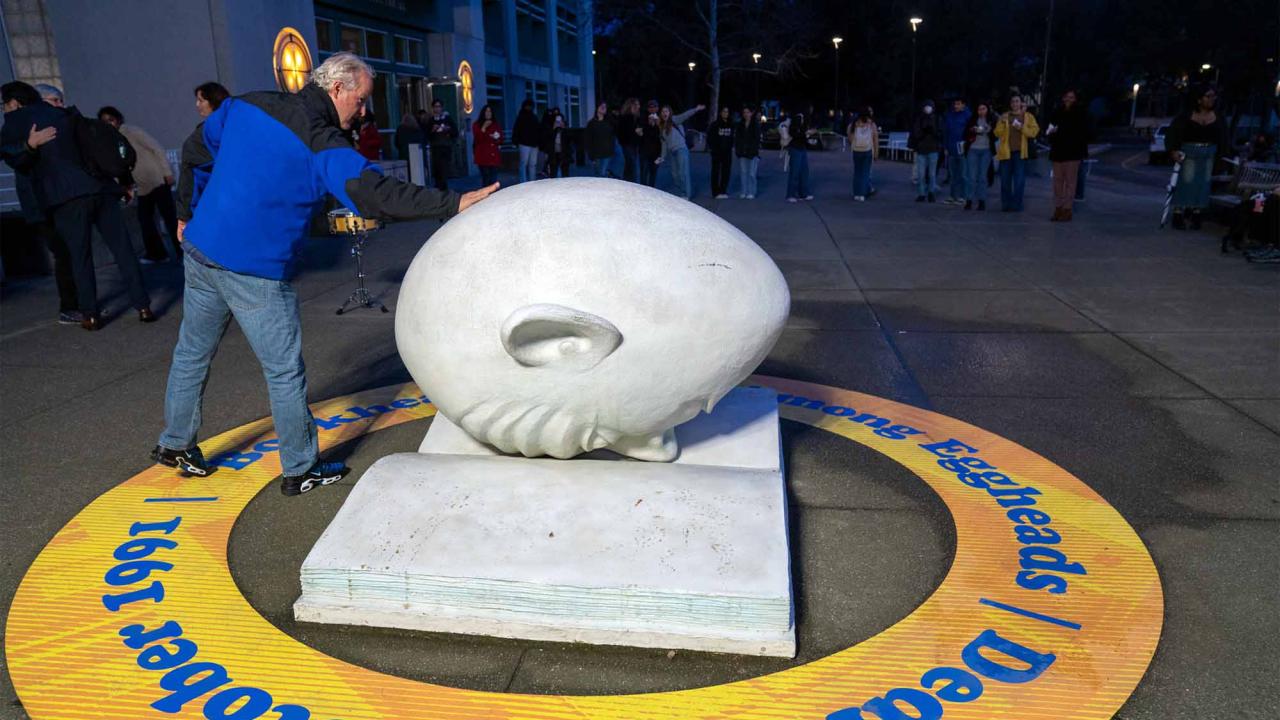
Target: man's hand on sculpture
{"x": 475, "y": 196}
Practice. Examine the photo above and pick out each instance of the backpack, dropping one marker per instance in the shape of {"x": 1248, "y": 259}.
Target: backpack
{"x": 105, "y": 153}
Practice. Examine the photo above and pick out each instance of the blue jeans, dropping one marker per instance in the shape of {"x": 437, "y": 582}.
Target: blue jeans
{"x": 926, "y": 172}
{"x": 747, "y": 168}
{"x": 1013, "y": 180}
{"x": 861, "y": 173}
{"x": 600, "y": 166}
{"x": 678, "y": 163}
{"x": 798, "y": 174}
{"x": 528, "y": 163}
{"x": 957, "y": 169}
{"x": 267, "y": 312}
{"x": 978, "y": 162}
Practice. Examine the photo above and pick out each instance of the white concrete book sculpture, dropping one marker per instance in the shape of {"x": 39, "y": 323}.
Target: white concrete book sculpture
{"x": 570, "y": 318}
{"x": 464, "y": 540}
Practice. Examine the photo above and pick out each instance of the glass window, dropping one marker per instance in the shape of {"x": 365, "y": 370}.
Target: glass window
{"x": 408, "y": 50}
{"x": 380, "y": 100}
{"x": 494, "y": 94}
{"x": 376, "y": 44}
{"x": 495, "y": 38}
{"x": 411, "y": 91}
{"x": 31, "y": 45}
{"x": 531, "y": 31}
{"x": 324, "y": 35}
{"x": 353, "y": 40}
{"x": 567, "y": 37}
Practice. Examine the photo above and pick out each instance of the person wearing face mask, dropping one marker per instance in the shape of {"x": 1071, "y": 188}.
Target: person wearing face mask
{"x": 926, "y": 140}
{"x": 271, "y": 159}
{"x": 1014, "y": 130}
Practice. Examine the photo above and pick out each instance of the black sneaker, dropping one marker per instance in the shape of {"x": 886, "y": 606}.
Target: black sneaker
{"x": 932, "y": 198}
{"x": 190, "y": 461}
{"x": 322, "y": 473}
{"x": 919, "y": 198}
{"x": 70, "y": 317}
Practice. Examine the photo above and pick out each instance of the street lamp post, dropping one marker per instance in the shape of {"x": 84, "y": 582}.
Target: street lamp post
{"x": 836, "y": 41}
{"x": 1133, "y": 113}
{"x": 915, "y": 24}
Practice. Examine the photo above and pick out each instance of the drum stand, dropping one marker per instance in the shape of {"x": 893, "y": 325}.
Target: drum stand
{"x": 361, "y": 296}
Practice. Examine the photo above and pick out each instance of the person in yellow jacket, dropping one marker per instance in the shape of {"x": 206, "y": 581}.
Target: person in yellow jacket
{"x": 1013, "y": 131}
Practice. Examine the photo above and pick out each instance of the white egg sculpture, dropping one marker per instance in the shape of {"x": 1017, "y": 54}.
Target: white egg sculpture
{"x": 561, "y": 316}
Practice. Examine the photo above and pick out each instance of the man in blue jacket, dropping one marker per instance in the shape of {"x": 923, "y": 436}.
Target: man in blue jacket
{"x": 263, "y": 165}
{"x": 953, "y": 126}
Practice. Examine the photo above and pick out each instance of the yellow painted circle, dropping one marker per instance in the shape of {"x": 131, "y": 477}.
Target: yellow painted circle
{"x": 1074, "y": 654}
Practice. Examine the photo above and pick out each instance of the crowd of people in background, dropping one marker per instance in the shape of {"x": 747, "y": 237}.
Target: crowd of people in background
{"x": 976, "y": 146}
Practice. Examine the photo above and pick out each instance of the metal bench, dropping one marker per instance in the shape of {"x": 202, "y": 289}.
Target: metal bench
{"x": 1250, "y": 178}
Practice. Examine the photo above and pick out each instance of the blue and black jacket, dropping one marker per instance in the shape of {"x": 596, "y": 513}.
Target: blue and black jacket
{"x": 260, "y": 167}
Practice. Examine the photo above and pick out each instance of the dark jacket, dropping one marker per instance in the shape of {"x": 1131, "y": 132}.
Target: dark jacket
{"x": 1070, "y": 141}
{"x": 926, "y": 136}
{"x": 799, "y": 134}
{"x": 1184, "y": 130}
{"x": 264, "y": 163}
{"x": 55, "y": 169}
{"x": 650, "y": 141}
{"x": 598, "y": 137}
{"x": 720, "y": 137}
{"x": 441, "y": 131}
{"x": 527, "y": 130}
{"x": 627, "y": 124}
{"x": 746, "y": 139}
{"x": 406, "y": 135}
{"x": 954, "y": 125}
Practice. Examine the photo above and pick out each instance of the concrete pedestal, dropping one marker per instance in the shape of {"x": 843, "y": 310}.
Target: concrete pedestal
{"x": 691, "y": 554}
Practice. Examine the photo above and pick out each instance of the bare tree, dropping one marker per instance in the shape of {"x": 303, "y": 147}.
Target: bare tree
{"x": 725, "y": 34}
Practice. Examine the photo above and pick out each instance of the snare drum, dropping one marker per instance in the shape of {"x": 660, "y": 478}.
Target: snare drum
{"x": 344, "y": 222}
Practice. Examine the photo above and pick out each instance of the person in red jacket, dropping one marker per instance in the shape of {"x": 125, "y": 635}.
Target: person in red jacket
{"x": 487, "y": 139}
{"x": 370, "y": 140}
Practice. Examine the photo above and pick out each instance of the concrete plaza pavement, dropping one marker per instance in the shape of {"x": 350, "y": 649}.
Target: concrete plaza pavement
{"x": 1141, "y": 361}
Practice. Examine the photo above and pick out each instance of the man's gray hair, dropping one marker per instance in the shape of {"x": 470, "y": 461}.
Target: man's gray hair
{"x": 47, "y": 91}
{"x": 342, "y": 67}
